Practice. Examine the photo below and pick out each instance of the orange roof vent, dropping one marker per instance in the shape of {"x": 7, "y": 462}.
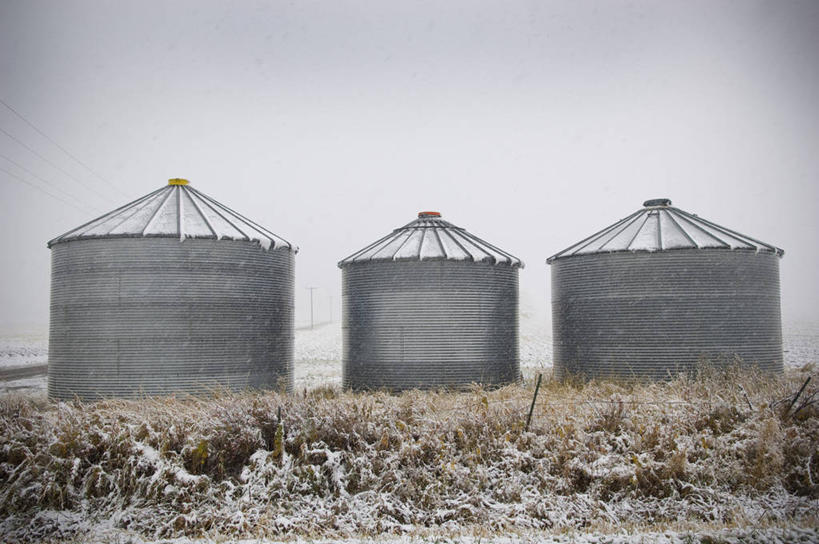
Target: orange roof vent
{"x": 429, "y": 214}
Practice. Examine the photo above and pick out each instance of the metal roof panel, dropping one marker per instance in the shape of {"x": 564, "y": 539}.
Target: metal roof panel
{"x": 430, "y": 237}
{"x": 659, "y": 226}
{"x": 175, "y": 211}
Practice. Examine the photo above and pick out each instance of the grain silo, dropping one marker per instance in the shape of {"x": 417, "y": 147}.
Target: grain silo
{"x": 429, "y": 305}
{"x": 173, "y": 292}
{"x": 661, "y": 291}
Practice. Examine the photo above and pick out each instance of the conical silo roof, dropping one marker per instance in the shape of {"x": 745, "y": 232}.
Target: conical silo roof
{"x": 658, "y": 226}
{"x": 430, "y": 238}
{"x": 176, "y": 210}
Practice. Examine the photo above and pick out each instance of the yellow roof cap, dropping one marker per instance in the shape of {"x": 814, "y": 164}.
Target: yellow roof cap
{"x": 177, "y": 181}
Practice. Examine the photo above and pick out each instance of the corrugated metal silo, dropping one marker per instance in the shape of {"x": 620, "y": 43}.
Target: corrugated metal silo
{"x": 661, "y": 291}
{"x": 427, "y": 306}
{"x": 173, "y": 292}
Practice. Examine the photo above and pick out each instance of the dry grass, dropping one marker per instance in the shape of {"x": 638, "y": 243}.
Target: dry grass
{"x": 717, "y": 449}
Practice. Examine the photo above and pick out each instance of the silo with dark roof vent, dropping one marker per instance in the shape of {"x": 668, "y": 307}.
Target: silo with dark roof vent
{"x": 172, "y": 293}
{"x": 430, "y": 306}
{"x": 662, "y": 291}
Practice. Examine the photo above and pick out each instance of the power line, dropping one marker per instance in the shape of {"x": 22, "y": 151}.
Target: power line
{"x": 52, "y": 185}
{"x": 52, "y": 195}
{"x": 61, "y": 148}
{"x": 103, "y": 197}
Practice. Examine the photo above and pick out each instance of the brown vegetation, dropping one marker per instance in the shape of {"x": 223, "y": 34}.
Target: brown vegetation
{"x": 721, "y": 448}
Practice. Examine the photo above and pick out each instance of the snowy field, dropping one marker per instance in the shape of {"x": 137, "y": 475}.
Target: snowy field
{"x": 23, "y": 347}
{"x": 318, "y": 356}
{"x": 318, "y": 352}
{"x": 801, "y": 343}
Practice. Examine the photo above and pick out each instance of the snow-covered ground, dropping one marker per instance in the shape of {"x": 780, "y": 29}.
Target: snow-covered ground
{"x": 801, "y": 342}
{"x": 318, "y": 352}
{"x": 318, "y": 356}
{"x": 30, "y": 386}
{"x": 535, "y": 345}
{"x": 23, "y": 347}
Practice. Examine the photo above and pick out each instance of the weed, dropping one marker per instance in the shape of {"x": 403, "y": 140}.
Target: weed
{"x": 330, "y": 463}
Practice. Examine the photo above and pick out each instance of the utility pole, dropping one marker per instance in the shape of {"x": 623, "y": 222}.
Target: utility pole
{"x": 311, "y": 305}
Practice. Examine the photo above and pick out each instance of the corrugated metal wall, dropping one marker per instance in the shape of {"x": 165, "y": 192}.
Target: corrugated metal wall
{"x": 133, "y": 316}
{"x": 648, "y": 315}
{"x": 429, "y": 324}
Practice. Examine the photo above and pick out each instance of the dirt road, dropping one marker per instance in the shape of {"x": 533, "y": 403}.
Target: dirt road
{"x": 8, "y": 374}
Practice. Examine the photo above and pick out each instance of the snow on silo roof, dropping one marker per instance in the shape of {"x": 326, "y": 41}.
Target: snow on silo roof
{"x": 430, "y": 238}
{"x": 658, "y": 226}
{"x": 176, "y": 210}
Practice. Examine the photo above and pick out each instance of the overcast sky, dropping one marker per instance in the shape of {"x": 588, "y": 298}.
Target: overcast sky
{"x": 531, "y": 124}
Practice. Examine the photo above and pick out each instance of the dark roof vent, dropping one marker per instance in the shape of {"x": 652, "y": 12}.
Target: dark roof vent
{"x": 657, "y": 202}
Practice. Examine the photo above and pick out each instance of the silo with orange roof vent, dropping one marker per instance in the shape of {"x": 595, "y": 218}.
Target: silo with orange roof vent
{"x": 430, "y": 306}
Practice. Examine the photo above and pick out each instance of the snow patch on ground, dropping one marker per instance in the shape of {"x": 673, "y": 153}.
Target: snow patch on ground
{"x": 801, "y": 342}
{"x": 318, "y": 356}
{"x": 535, "y": 346}
{"x": 28, "y": 386}
{"x": 20, "y": 349}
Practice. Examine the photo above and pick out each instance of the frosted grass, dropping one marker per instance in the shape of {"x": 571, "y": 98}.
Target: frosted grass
{"x": 604, "y": 457}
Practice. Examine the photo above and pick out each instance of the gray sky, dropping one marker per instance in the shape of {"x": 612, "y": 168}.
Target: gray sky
{"x": 532, "y": 124}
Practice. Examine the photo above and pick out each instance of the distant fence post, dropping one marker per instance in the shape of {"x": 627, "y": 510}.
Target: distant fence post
{"x": 532, "y": 407}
